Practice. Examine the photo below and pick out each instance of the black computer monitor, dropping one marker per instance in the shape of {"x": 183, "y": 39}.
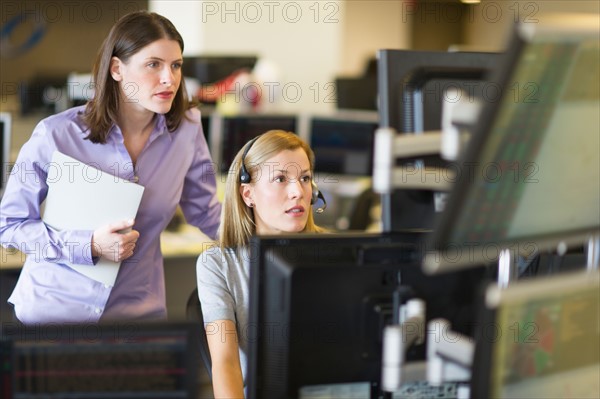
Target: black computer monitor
{"x": 343, "y": 144}
{"x": 539, "y": 338}
{"x": 319, "y": 303}
{"x": 412, "y": 86}
{"x": 209, "y": 69}
{"x": 359, "y": 92}
{"x": 230, "y": 133}
{"x": 530, "y": 178}
{"x": 121, "y": 360}
{"x": 205, "y": 119}
{"x": 5, "y": 136}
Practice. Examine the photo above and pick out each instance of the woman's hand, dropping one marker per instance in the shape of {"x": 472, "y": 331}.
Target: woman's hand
{"x": 115, "y": 241}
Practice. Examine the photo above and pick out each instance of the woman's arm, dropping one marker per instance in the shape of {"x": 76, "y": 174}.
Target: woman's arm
{"x": 224, "y": 352}
{"x": 199, "y": 202}
{"x": 21, "y": 225}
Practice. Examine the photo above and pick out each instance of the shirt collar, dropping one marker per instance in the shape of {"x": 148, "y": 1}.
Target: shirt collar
{"x": 160, "y": 128}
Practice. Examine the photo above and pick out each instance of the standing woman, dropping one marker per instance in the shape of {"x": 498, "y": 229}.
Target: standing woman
{"x": 269, "y": 190}
{"x": 140, "y": 127}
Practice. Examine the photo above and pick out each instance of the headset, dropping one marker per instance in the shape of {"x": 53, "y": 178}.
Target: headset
{"x": 245, "y": 178}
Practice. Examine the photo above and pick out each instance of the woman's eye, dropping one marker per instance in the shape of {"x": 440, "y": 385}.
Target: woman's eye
{"x": 305, "y": 179}
{"x": 153, "y": 64}
{"x": 279, "y": 179}
{"x": 177, "y": 66}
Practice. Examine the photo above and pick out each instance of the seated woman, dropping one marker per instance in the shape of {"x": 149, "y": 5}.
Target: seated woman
{"x": 269, "y": 190}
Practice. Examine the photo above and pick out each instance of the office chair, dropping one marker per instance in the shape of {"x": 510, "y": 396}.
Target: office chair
{"x": 194, "y": 313}
{"x": 360, "y": 217}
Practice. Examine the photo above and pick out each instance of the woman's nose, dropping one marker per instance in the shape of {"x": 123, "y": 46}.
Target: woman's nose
{"x": 167, "y": 77}
{"x": 295, "y": 189}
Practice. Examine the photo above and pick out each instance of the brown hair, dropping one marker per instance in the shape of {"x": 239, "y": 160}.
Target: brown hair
{"x": 129, "y": 35}
{"x": 237, "y": 219}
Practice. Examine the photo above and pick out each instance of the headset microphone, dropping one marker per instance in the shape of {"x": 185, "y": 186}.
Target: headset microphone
{"x": 318, "y": 195}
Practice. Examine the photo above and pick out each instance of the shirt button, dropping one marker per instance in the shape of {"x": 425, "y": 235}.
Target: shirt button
{"x": 98, "y": 310}
{"x": 136, "y": 179}
{"x": 106, "y": 286}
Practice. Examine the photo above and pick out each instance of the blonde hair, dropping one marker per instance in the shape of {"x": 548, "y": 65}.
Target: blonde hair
{"x": 237, "y": 219}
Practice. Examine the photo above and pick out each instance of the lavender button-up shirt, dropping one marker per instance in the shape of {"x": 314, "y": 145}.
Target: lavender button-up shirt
{"x": 174, "y": 167}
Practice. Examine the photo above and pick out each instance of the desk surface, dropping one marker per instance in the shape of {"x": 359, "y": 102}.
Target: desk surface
{"x": 188, "y": 241}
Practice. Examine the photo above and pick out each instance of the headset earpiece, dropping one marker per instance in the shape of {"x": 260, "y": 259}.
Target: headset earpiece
{"x": 317, "y": 195}
{"x": 244, "y": 174}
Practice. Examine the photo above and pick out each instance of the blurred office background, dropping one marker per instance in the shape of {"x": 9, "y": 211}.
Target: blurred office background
{"x": 311, "y": 43}
{"x": 318, "y": 58}
{"x": 314, "y": 59}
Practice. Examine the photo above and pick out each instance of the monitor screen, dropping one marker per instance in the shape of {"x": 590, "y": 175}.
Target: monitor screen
{"x": 124, "y": 360}
{"x": 319, "y": 303}
{"x": 235, "y": 131}
{"x": 343, "y": 146}
{"x": 412, "y": 90}
{"x": 530, "y": 178}
{"x": 356, "y": 93}
{"x": 539, "y": 338}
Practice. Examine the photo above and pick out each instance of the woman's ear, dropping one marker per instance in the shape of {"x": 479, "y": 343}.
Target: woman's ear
{"x": 246, "y": 193}
{"x": 115, "y": 69}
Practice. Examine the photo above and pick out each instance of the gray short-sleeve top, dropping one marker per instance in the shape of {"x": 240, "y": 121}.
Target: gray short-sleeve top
{"x": 223, "y": 280}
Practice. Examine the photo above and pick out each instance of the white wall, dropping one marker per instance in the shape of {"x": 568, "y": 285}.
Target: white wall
{"x": 488, "y": 24}
{"x": 370, "y": 26}
{"x": 302, "y": 38}
{"x": 184, "y": 15}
